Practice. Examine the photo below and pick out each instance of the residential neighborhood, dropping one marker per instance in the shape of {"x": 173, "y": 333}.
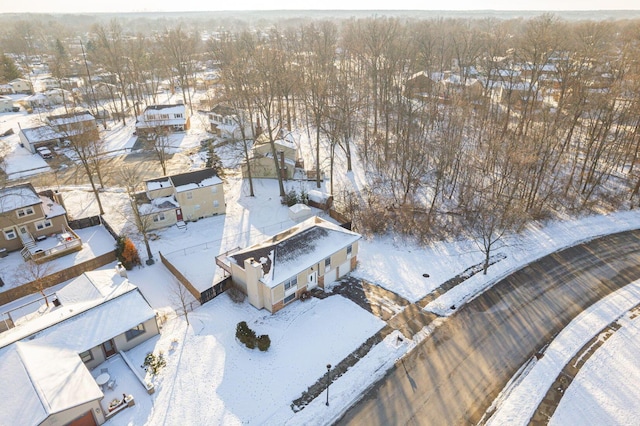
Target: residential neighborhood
{"x": 434, "y": 214}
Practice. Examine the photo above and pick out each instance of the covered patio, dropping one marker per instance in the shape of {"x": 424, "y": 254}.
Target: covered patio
{"x": 121, "y": 387}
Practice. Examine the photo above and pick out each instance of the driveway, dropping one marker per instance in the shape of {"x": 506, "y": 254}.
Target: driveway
{"x": 452, "y": 377}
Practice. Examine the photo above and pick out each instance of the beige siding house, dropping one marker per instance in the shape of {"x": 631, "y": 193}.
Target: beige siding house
{"x": 182, "y": 198}
{"x": 277, "y": 271}
{"x": 20, "y": 85}
{"x": 28, "y": 219}
{"x": 261, "y": 161}
{"x": 48, "y": 358}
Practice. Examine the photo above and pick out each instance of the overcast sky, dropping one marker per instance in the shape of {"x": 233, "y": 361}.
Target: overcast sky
{"x": 89, "y": 6}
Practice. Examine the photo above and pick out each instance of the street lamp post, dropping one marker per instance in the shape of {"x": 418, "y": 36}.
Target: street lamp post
{"x": 328, "y": 381}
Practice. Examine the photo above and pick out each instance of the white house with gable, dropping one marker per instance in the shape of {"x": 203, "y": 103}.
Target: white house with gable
{"x": 48, "y": 355}
{"x": 169, "y": 118}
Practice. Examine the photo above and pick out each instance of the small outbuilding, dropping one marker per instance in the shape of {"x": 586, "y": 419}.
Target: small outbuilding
{"x": 300, "y": 212}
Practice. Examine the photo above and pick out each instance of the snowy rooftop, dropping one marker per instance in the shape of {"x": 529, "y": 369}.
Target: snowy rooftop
{"x": 90, "y": 318}
{"x": 318, "y": 196}
{"x": 287, "y": 141}
{"x": 158, "y": 184}
{"x": 51, "y": 208}
{"x": 17, "y": 197}
{"x": 74, "y": 117}
{"x": 95, "y": 307}
{"x": 186, "y": 181}
{"x": 158, "y": 205}
{"x": 296, "y": 249}
{"x": 168, "y": 109}
{"x": 40, "y": 134}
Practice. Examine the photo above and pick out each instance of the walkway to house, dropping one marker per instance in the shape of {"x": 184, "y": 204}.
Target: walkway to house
{"x": 399, "y": 314}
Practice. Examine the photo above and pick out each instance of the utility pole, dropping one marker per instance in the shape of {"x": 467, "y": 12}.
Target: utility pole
{"x": 93, "y": 94}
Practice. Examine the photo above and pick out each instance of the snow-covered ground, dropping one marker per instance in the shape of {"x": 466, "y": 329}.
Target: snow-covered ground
{"x": 605, "y": 390}
{"x": 96, "y": 241}
{"x": 211, "y": 379}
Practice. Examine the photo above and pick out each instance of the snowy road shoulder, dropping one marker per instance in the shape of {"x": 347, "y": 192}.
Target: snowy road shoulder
{"x": 519, "y": 400}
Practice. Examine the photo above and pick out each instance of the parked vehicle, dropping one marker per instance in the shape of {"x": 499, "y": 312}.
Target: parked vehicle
{"x": 45, "y": 152}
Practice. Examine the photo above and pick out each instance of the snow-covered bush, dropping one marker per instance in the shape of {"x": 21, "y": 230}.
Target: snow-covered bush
{"x": 154, "y": 363}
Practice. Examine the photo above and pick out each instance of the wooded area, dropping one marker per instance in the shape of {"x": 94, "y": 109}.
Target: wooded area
{"x": 464, "y": 126}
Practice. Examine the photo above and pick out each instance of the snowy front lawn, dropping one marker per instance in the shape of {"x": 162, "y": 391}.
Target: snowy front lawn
{"x": 211, "y": 378}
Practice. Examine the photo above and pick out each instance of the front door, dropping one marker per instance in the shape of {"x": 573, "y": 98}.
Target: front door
{"x": 312, "y": 280}
{"x": 24, "y": 232}
{"x": 109, "y": 348}
{"x": 179, "y": 214}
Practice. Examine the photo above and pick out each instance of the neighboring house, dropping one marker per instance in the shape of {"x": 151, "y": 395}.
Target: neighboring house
{"x": 46, "y": 83}
{"x": 419, "y": 86}
{"x": 57, "y": 96}
{"x": 224, "y": 122}
{"x": 6, "y": 89}
{"x": 168, "y": 118}
{"x": 47, "y": 358}
{"x": 37, "y": 100}
{"x": 79, "y": 124}
{"x": 516, "y": 95}
{"x": 27, "y": 218}
{"x": 261, "y": 158}
{"x": 6, "y": 104}
{"x": 181, "y": 198}
{"x": 20, "y": 85}
{"x": 452, "y": 85}
{"x": 277, "y": 271}
{"x": 35, "y": 137}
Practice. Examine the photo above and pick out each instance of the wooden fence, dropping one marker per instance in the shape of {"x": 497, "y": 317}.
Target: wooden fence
{"x": 56, "y": 278}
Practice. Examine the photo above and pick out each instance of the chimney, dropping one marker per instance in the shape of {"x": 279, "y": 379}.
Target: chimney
{"x": 121, "y": 270}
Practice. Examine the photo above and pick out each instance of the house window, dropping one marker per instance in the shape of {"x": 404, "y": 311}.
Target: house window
{"x": 10, "y": 234}
{"x": 216, "y": 203}
{"x": 164, "y": 116}
{"x": 134, "y": 332}
{"x": 289, "y": 298}
{"x": 86, "y": 356}
{"x": 349, "y": 251}
{"x": 158, "y": 217}
{"x": 189, "y": 195}
{"x": 43, "y": 224}
{"x": 292, "y": 283}
{"x": 214, "y": 189}
{"x": 327, "y": 264}
{"x": 178, "y": 115}
{"x": 25, "y": 212}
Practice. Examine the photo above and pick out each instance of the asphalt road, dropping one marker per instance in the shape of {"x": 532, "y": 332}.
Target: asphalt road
{"x": 453, "y": 376}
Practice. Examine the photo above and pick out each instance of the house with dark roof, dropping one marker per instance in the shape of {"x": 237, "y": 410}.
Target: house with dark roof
{"x": 277, "y": 271}
{"x": 181, "y": 198}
